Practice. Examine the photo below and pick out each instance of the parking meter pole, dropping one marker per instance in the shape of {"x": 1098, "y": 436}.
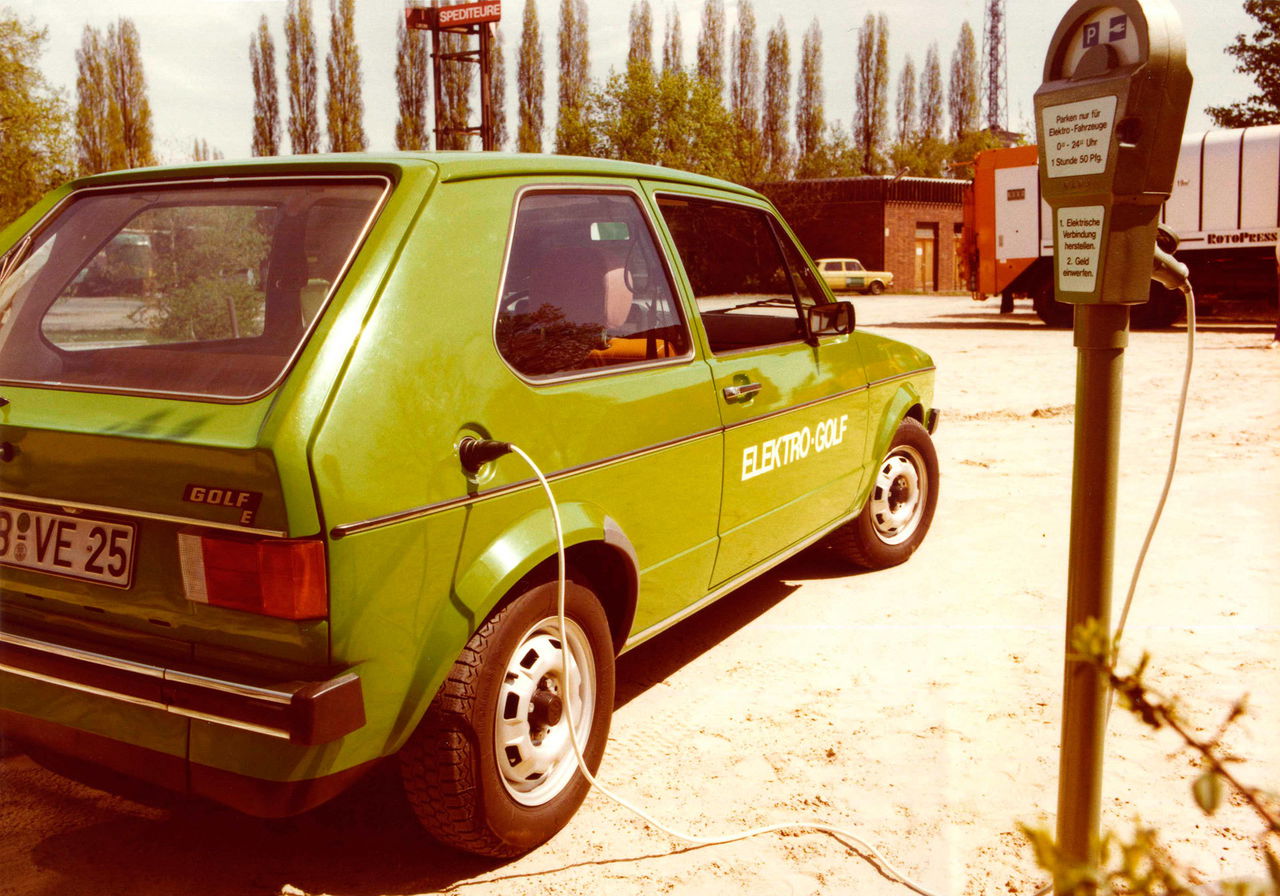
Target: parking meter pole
{"x": 1101, "y": 335}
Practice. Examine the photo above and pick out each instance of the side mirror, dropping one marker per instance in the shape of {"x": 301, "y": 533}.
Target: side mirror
{"x": 834, "y": 319}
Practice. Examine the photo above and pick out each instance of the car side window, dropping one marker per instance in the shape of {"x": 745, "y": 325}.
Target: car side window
{"x": 745, "y": 289}
{"x": 585, "y": 287}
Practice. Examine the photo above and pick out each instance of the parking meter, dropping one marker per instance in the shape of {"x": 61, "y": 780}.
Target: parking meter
{"x": 1109, "y": 120}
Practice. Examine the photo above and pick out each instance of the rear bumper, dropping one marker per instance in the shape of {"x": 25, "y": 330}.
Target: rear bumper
{"x": 302, "y": 712}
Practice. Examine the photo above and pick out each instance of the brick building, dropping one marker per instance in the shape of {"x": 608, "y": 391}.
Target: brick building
{"x": 911, "y": 226}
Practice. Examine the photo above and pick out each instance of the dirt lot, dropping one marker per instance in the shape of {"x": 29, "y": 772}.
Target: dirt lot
{"x": 918, "y": 706}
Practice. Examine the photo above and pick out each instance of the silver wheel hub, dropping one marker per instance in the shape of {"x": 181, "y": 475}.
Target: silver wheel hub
{"x": 531, "y": 728}
{"x": 898, "y": 496}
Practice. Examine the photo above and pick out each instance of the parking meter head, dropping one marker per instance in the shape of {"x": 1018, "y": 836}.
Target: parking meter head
{"x": 1109, "y": 119}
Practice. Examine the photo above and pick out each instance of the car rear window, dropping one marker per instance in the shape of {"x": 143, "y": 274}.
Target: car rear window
{"x": 204, "y": 289}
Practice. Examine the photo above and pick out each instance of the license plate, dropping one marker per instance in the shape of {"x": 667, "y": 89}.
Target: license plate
{"x": 76, "y": 547}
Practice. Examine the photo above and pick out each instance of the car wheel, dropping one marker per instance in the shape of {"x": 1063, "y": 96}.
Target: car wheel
{"x": 1052, "y": 312}
{"x": 875, "y": 288}
{"x": 899, "y": 509}
{"x": 491, "y": 769}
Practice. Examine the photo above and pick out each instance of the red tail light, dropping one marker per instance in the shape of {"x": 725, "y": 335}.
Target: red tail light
{"x": 275, "y": 577}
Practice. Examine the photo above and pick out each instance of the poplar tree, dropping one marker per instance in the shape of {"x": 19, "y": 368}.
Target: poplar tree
{"x": 35, "y": 151}
{"x": 302, "y": 75}
{"x": 498, "y": 90}
{"x": 777, "y": 103}
{"x": 131, "y": 113}
{"x": 744, "y": 86}
{"x": 530, "y": 83}
{"x": 344, "y": 106}
{"x": 810, "y": 115}
{"x": 905, "y": 117}
{"x": 573, "y": 136}
{"x": 965, "y": 97}
{"x": 871, "y": 91}
{"x": 93, "y": 119}
{"x": 456, "y": 80}
{"x": 640, "y": 31}
{"x": 711, "y": 45}
{"x": 413, "y": 63}
{"x": 931, "y": 96}
{"x": 113, "y": 117}
{"x": 266, "y": 93}
{"x": 673, "y": 44}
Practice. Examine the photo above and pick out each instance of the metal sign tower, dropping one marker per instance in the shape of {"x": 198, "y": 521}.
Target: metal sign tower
{"x": 996, "y": 59}
{"x": 465, "y": 19}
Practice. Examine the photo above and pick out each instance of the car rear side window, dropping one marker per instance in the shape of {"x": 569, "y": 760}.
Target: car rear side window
{"x": 585, "y": 287}
{"x": 202, "y": 289}
{"x": 748, "y": 278}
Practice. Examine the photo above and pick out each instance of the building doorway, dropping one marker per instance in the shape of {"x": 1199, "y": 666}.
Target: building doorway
{"x": 927, "y": 257}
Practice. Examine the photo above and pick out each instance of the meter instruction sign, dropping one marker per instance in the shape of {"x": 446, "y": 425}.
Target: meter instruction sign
{"x": 1079, "y": 136}
{"x": 1078, "y": 247}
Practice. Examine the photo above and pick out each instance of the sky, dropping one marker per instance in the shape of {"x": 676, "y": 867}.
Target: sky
{"x": 196, "y": 52}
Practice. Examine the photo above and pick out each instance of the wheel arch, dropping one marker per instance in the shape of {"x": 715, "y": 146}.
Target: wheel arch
{"x": 906, "y": 402}
{"x": 596, "y": 548}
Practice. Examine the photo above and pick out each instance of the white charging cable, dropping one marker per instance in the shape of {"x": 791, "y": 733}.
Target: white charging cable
{"x": 1190, "y": 295}
{"x": 818, "y": 826}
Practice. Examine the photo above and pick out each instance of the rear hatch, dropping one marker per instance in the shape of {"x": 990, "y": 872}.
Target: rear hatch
{"x": 149, "y": 506}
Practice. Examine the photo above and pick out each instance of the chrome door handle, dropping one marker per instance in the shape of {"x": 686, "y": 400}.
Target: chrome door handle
{"x": 741, "y": 393}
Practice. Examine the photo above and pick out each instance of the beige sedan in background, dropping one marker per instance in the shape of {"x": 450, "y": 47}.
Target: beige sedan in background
{"x": 848, "y": 274}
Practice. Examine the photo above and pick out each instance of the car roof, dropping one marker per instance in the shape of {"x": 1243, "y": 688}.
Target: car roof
{"x": 450, "y": 167}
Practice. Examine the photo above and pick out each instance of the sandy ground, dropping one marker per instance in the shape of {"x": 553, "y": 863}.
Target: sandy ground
{"x": 918, "y": 707}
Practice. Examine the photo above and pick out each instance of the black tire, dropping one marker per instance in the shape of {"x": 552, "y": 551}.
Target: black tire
{"x": 875, "y": 288}
{"x": 899, "y": 509}
{"x": 466, "y": 791}
{"x": 1054, "y": 313}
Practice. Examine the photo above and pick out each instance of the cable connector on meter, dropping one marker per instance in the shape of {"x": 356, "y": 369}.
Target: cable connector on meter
{"x": 1165, "y": 269}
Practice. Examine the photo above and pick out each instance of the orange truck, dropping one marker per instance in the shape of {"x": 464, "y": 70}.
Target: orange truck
{"x": 1225, "y": 207}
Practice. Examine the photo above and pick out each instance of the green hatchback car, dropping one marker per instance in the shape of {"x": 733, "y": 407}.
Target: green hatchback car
{"x": 257, "y": 529}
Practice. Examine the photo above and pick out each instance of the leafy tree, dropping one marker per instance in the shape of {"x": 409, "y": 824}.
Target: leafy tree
{"x": 810, "y": 116}
{"x": 301, "y": 71}
{"x": 1259, "y": 57}
{"x": 695, "y": 131}
{"x": 573, "y": 134}
{"x": 673, "y": 44}
{"x": 35, "y": 149}
{"x": 530, "y": 83}
{"x": 777, "y": 103}
{"x": 456, "y": 80}
{"x": 871, "y": 90}
{"x": 965, "y": 98}
{"x": 344, "y": 105}
{"x": 266, "y": 93}
{"x": 498, "y": 90}
{"x": 711, "y": 45}
{"x": 641, "y": 32}
{"x": 413, "y": 64}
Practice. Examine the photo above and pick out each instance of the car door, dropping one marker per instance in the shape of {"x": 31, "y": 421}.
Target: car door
{"x": 857, "y": 275}
{"x": 794, "y": 412}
